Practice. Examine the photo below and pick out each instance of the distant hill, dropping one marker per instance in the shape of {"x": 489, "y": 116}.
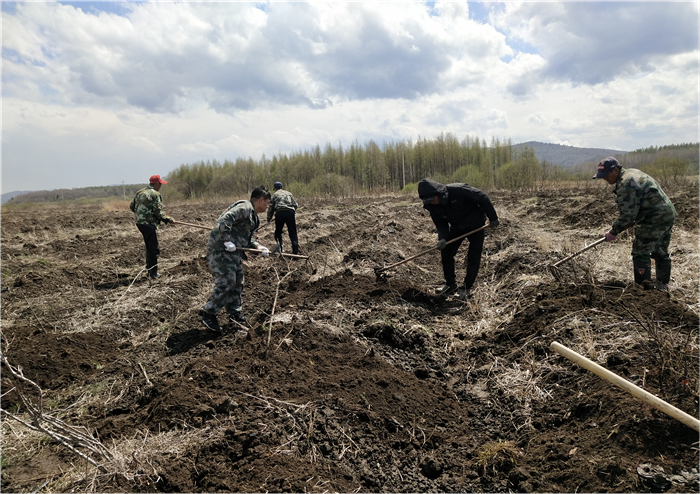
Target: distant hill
{"x": 121, "y": 191}
{"x": 9, "y": 195}
{"x": 567, "y": 156}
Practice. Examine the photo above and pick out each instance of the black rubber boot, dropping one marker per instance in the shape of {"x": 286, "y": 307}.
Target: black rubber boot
{"x": 237, "y": 317}
{"x": 209, "y": 320}
{"x": 642, "y": 271}
{"x": 153, "y": 272}
{"x": 447, "y": 289}
{"x": 663, "y": 273}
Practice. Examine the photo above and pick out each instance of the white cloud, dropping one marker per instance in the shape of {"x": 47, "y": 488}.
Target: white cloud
{"x": 588, "y": 43}
{"x": 103, "y": 96}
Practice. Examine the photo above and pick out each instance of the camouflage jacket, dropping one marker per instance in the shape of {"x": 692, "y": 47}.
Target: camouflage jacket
{"x": 147, "y": 206}
{"x": 237, "y": 224}
{"x": 281, "y": 199}
{"x": 641, "y": 201}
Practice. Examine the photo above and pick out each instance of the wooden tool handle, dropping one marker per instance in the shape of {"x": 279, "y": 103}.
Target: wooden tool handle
{"x": 257, "y": 251}
{"x": 379, "y": 270}
{"x": 192, "y": 225}
{"x": 635, "y": 391}
{"x": 579, "y": 252}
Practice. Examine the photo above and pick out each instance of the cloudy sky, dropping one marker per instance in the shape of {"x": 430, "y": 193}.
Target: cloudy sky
{"x": 98, "y": 93}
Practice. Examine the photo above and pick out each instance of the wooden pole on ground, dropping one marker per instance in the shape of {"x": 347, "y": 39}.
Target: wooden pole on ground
{"x": 632, "y": 389}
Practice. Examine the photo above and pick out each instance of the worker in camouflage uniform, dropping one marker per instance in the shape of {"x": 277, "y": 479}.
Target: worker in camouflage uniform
{"x": 233, "y": 230}
{"x": 643, "y": 203}
{"x": 147, "y": 207}
{"x": 283, "y": 207}
{"x": 457, "y": 209}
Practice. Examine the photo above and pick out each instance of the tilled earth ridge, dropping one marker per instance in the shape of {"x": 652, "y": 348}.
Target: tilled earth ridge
{"x": 355, "y": 382}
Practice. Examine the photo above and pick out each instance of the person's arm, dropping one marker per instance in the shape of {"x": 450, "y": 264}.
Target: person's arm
{"x": 271, "y": 208}
{"x": 294, "y": 202}
{"x": 484, "y": 203}
{"x": 157, "y": 204}
{"x": 443, "y": 227}
{"x": 628, "y": 202}
{"x": 132, "y": 206}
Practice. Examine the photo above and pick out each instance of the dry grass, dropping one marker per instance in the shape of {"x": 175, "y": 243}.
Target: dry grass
{"x": 497, "y": 456}
{"x": 115, "y": 205}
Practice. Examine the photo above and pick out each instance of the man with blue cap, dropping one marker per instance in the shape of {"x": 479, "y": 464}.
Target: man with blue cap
{"x": 283, "y": 207}
{"x": 642, "y": 203}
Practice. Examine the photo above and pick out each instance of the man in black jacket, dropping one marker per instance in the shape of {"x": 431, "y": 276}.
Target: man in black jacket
{"x": 457, "y": 209}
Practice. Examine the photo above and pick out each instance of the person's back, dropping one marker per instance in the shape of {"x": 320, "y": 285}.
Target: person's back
{"x": 641, "y": 200}
{"x": 237, "y": 224}
{"x": 283, "y": 208}
{"x": 282, "y": 199}
{"x": 146, "y": 206}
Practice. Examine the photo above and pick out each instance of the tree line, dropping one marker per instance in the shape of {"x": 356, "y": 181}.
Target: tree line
{"x": 370, "y": 168}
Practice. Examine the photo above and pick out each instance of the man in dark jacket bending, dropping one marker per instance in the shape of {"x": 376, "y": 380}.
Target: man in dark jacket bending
{"x": 457, "y": 209}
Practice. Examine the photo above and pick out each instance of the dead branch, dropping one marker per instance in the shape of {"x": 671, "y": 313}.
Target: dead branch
{"x": 274, "y": 304}
{"x": 52, "y": 426}
{"x": 148, "y": 381}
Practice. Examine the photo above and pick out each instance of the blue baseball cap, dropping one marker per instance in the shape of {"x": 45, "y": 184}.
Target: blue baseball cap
{"x": 606, "y": 166}
{"x": 277, "y": 185}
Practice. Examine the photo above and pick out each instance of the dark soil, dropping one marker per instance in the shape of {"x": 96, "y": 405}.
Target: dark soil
{"x": 358, "y": 382}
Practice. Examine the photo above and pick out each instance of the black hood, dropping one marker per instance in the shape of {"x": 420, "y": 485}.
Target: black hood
{"x": 427, "y": 189}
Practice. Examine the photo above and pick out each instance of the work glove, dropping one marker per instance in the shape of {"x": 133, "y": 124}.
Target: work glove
{"x": 265, "y": 252}
{"x": 494, "y": 223}
{"x": 441, "y": 243}
{"x": 609, "y": 237}
{"x": 230, "y": 246}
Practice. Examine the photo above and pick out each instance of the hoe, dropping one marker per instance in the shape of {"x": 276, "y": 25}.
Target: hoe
{"x": 554, "y": 268}
{"x": 380, "y": 273}
{"x": 255, "y": 251}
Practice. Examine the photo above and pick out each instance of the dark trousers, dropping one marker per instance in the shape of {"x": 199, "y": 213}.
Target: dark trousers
{"x": 286, "y": 217}
{"x": 152, "y": 249}
{"x": 476, "y": 246}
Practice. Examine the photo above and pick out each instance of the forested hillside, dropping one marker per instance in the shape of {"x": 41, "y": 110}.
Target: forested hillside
{"x": 84, "y": 194}
{"x": 670, "y": 164}
{"x": 566, "y": 156}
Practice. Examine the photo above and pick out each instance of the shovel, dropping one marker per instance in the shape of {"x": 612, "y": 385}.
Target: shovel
{"x": 258, "y": 251}
{"x": 379, "y": 272}
{"x": 554, "y": 267}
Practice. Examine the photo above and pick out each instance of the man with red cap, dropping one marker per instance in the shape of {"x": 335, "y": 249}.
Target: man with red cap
{"x": 147, "y": 206}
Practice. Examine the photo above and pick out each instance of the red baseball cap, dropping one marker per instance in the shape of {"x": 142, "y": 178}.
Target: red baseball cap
{"x": 155, "y": 179}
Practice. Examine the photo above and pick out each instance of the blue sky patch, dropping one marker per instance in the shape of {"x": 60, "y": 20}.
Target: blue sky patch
{"x": 96, "y": 8}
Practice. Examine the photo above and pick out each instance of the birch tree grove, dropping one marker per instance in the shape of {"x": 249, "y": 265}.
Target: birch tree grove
{"x": 373, "y": 168}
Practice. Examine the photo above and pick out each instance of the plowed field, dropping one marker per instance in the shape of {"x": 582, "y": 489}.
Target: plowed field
{"x": 346, "y": 381}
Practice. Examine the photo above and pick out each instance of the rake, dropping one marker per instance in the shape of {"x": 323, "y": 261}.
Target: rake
{"x": 380, "y": 272}
{"x": 554, "y": 268}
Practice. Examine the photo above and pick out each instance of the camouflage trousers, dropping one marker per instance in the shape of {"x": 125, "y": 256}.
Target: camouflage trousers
{"x": 651, "y": 242}
{"x": 227, "y": 270}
